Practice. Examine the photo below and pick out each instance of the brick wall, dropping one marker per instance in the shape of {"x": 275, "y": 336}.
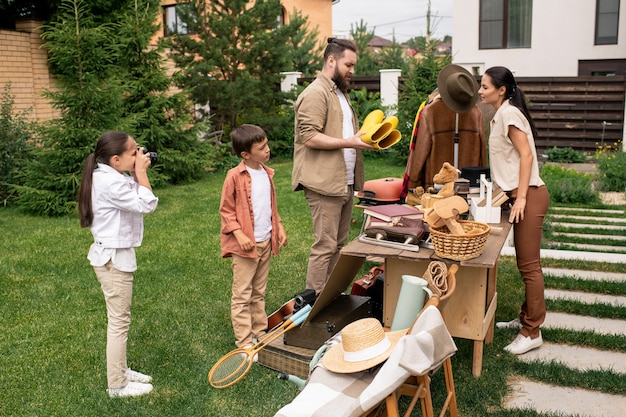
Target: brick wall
{"x": 23, "y": 63}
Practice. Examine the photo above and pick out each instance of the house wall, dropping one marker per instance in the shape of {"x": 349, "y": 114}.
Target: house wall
{"x": 23, "y": 63}
{"x": 562, "y": 34}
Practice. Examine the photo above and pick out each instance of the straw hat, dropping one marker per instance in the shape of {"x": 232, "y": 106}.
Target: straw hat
{"x": 458, "y": 88}
{"x": 364, "y": 344}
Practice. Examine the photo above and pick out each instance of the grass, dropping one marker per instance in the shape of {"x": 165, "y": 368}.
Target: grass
{"x": 53, "y": 319}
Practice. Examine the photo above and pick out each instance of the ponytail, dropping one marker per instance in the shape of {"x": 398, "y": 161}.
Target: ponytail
{"x": 85, "y": 212}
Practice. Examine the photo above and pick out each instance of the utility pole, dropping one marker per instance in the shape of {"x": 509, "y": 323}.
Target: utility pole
{"x": 428, "y": 33}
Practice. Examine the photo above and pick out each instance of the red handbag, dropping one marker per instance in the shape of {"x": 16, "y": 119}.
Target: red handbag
{"x": 363, "y": 285}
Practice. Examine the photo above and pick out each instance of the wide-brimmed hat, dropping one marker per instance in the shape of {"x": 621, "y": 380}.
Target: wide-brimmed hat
{"x": 364, "y": 344}
{"x": 458, "y": 88}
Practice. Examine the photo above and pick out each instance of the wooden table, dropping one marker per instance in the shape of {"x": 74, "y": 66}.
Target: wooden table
{"x": 469, "y": 313}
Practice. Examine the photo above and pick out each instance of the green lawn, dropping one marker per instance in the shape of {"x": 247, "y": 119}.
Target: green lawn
{"x": 53, "y": 319}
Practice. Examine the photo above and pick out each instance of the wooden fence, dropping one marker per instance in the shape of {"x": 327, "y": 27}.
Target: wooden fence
{"x": 582, "y": 113}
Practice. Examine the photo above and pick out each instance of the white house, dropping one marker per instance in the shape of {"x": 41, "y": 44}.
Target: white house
{"x": 541, "y": 38}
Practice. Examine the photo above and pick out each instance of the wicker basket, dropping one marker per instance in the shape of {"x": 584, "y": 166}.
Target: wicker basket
{"x": 460, "y": 247}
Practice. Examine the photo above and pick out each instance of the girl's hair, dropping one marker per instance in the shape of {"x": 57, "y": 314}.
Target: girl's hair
{"x": 110, "y": 143}
{"x": 501, "y": 76}
{"x": 244, "y": 136}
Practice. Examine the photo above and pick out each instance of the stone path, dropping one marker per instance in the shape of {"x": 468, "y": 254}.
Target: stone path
{"x": 526, "y": 393}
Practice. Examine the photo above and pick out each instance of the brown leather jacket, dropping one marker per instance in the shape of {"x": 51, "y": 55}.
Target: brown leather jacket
{"x": 434, "y": 144}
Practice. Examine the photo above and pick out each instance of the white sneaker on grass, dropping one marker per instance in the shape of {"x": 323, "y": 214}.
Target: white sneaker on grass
{"x": 134, "y": 376}
{"x": 133, "y": 389}
{"x": 513, "y": 324}
{"x": 523, "y": 344}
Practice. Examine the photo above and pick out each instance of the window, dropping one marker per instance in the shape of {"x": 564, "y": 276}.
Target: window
{"x": 607, "y": 22}
{"x": 505, "y": 24}
{"x": 175, "y": 18}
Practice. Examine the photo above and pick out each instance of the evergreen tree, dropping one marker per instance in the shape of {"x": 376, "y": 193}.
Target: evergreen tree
{"x": 304, "y": 54}
{"x": 233, "y": 62}
{"x": 366, "y": 63}
{"x": 158, "y": 118}
{"x": 89, "y": 97}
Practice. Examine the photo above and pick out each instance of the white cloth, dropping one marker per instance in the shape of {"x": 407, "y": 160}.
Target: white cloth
{"x": 350, "y": 395}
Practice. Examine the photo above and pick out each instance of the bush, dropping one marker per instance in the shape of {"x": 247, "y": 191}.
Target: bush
{"x": 15, "y": 132}
{"x": 611, "y": 163}
{"x": 569, "y": 186}
{"x": 566, "y": 155}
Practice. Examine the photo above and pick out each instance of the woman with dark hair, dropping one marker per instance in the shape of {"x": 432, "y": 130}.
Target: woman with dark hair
{"x": 114, "y": 195}
{"x": 514, "y": 167}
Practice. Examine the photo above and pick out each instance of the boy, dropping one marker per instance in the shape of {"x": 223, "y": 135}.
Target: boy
{"x": 251, "y": 231}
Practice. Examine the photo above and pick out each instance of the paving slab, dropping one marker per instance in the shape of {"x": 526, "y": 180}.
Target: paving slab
{"x": 585, "y": 323}
{"x": 586, "y": 210}
{"x": 586, "y": 275}
{"x": 585, "y": 297}
{"x": 546, "y": 398}
{"x": 572, "y": 254}
{"x": 615, "y": 220}
{"x": 590, "y": 247}
{"x": 590, "y": 236}
{"x": 589, "y": 226}
{"x": 577, "y": 357}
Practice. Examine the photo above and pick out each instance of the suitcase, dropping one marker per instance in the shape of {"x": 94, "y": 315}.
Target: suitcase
{"x": 381, "y": 191}
{"x": 340, "y": 312}
{"x": 363, "y": 285}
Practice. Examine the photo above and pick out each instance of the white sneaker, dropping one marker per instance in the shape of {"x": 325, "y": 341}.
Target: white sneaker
{"x": 255, "y": 358}
{"x": 133, "y": 389}
{"x": 134, "y": 376}
{"x": 513, "y": 324}
{"x": 523, "y": 344}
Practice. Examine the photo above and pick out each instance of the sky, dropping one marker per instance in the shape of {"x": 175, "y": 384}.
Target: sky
{"x": 404, "y": 18}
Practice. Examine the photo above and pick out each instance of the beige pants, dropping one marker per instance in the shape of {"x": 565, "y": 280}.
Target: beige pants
{"x": 332, "y": 217}
{"x": 247, "y": 304}
{"x": 117, "y": 287}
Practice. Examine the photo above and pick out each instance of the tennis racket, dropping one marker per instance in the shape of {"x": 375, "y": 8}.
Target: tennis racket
{"x": 233, "y": 366}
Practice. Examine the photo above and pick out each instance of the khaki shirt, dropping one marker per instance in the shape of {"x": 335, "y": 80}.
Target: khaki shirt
{"x": 317, "y": 109}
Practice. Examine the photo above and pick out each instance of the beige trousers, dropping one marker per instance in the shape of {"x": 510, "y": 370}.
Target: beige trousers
{"x": 117, "y": 287}
{"x": 247, "y": 303}
{"x": 332, "y": 217}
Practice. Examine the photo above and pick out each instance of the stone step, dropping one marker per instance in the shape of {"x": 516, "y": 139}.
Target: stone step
{"x": 579, "y": 323}
{"x": 585, "y": 275}
{"x": 578, "y": 357}
{"x": 585, "y": 210}
{"x": 590, "y": 236}
{"x": 615, "y": 220}
{"x": 572, "y": 254}
{"x": 585, "y": 297}
{"x": 546, "y": 398}
{"x": 589, "y": 226}
{"x": 588, "y": 247}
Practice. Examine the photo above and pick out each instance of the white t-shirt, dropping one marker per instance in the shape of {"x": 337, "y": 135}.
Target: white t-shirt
{"x": 349, "y": 154}
{"x": 261, "y": 203}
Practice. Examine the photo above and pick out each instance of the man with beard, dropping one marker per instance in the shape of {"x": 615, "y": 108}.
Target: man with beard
{"x": 328, "y": 164}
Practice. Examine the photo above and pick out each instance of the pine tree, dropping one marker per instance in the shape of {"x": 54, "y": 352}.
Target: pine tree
{"x": 233, "y": 62}
{"x": 89, "y": 97}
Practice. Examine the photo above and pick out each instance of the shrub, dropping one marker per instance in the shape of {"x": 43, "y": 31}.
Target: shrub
{"x": 565, "y": 155}
{"x": 569, "y": 186}
{"x": 611, "y": 163}
{"x": 15, "y": 132}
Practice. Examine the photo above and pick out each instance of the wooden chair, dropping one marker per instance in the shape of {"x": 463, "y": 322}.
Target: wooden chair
{"x": 418, "y": 387}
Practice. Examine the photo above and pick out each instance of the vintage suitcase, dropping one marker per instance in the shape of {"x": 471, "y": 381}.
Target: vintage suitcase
{"x": 380, "y": 191}
{"x": 363, "y": 285}
{"x": 340, "y": 312}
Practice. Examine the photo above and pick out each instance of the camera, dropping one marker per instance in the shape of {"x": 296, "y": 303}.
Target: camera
{"x": 153, "y": 156}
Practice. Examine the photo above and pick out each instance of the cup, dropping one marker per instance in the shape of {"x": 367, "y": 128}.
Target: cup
{"x": 410, "y": 301}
